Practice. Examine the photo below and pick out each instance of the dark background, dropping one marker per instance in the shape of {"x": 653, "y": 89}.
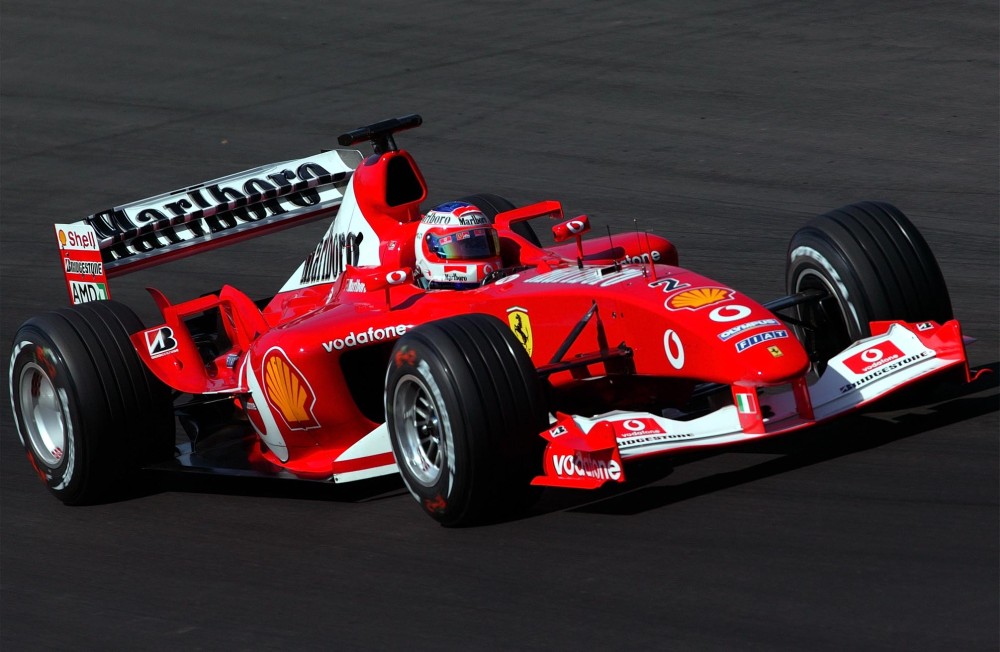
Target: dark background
{"x": 722, "y": 125}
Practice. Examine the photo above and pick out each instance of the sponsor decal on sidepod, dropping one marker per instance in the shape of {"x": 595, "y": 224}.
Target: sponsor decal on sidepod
{"x": 288, "y": 392}
{"x": 366, "y": 337}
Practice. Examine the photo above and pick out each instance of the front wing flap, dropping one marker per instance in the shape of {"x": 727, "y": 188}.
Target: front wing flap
{"x": 579, "y": 459}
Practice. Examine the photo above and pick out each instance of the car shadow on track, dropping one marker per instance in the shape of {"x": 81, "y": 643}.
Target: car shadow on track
{"x": 897, "y": 418}
{"x": 922, "y": 410}
{"x": 206, "y": 483}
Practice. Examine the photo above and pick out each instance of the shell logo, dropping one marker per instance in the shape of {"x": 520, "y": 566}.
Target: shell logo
{"x": 697, "y": 298}
{"x": 288, "y": 392}
{"x": 62, "y": 238}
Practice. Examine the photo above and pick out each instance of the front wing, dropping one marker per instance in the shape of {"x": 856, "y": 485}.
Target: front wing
{"x": 586, "y": 452}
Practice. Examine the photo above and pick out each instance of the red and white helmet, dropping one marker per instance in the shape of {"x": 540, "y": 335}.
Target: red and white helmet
{"x": 456, "y": 246}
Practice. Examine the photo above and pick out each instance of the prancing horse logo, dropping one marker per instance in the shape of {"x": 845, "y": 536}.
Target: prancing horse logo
{"x": 520, "y": 325}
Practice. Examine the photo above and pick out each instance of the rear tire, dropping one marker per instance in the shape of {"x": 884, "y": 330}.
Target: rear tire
{"x": 87, "y": 410}
{"x": 491, "y": 205}
{"x": 464, "y": 408}
{"x": 875, "y": 266}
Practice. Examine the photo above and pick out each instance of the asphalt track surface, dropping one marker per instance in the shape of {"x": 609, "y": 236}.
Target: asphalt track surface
{"x": 723, "y": 125}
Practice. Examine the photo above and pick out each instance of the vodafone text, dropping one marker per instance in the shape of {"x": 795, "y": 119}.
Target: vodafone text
{"x": 586, "y": 467}
{"x": 884, "y": 369}
{"x": 366, "y": 337}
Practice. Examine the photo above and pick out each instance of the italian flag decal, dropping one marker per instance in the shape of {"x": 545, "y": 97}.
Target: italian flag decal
{"x": 745, "y": 403}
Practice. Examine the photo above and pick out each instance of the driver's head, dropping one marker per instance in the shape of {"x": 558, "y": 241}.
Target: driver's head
{"x": 456, "y": 246}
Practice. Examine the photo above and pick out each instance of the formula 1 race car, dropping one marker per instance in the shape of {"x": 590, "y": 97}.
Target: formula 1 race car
{"x": 451, "y": 346}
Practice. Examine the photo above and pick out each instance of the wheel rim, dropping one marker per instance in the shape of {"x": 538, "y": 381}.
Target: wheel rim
{"x": 419, "y": 431}
{"x": 42, "y": 414}
{"x": 831, "y": 331}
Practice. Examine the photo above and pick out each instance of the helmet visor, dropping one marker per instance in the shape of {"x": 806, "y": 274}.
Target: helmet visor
{"x": 464, "y": 245}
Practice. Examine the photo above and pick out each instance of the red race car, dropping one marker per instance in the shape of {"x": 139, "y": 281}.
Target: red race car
{"x": 451, "y": 346}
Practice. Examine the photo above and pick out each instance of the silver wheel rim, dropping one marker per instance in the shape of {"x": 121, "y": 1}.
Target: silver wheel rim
{"x": 42, "y": 413}
{"x": 418, "y": 431}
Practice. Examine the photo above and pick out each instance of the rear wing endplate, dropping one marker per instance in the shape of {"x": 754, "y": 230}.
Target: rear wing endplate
{"x": 208, "y": 215}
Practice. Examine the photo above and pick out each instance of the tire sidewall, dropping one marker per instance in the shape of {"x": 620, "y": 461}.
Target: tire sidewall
{"x": 874, "y": 264}
{"x": 103, "y": 394}
{"x": 444, "y": 499}
{"x": 34, "y": 348}
{"x": 812, "y": 260}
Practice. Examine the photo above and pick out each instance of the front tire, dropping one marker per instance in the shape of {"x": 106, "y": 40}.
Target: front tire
{"x": 87, "y": 410}
{"x": 464, "y": 407}
{"x": 874, "y": 264}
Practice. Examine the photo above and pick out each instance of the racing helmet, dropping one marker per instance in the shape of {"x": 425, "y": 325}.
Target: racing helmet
{"x": 456, "y": 246}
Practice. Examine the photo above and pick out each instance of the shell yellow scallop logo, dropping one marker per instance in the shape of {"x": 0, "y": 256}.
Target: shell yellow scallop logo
{"x": 288, "y": 392}
{"x": 697, "y": 298}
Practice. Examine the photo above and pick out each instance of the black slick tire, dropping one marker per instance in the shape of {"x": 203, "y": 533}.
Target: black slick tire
{"x": 874, "y": 264}
{"x": 464, "y": 409}
{"x": 87, "y": 410}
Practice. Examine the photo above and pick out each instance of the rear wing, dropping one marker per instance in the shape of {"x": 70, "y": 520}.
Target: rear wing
{"x": 205, "y": 216}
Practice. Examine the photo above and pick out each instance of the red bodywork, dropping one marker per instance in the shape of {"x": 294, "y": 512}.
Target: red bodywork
{"x": 307, "y": 369}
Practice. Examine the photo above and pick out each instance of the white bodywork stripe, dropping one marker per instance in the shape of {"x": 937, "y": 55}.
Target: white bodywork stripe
{"x": 363, "y": 474}
{"x": 374, "y": 443}
{"x": 272, "y": 435}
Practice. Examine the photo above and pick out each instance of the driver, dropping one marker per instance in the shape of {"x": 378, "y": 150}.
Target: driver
{"x": 456, "y": 247}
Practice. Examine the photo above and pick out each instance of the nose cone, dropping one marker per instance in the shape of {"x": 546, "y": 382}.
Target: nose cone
{"x": 769, "y": 356}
